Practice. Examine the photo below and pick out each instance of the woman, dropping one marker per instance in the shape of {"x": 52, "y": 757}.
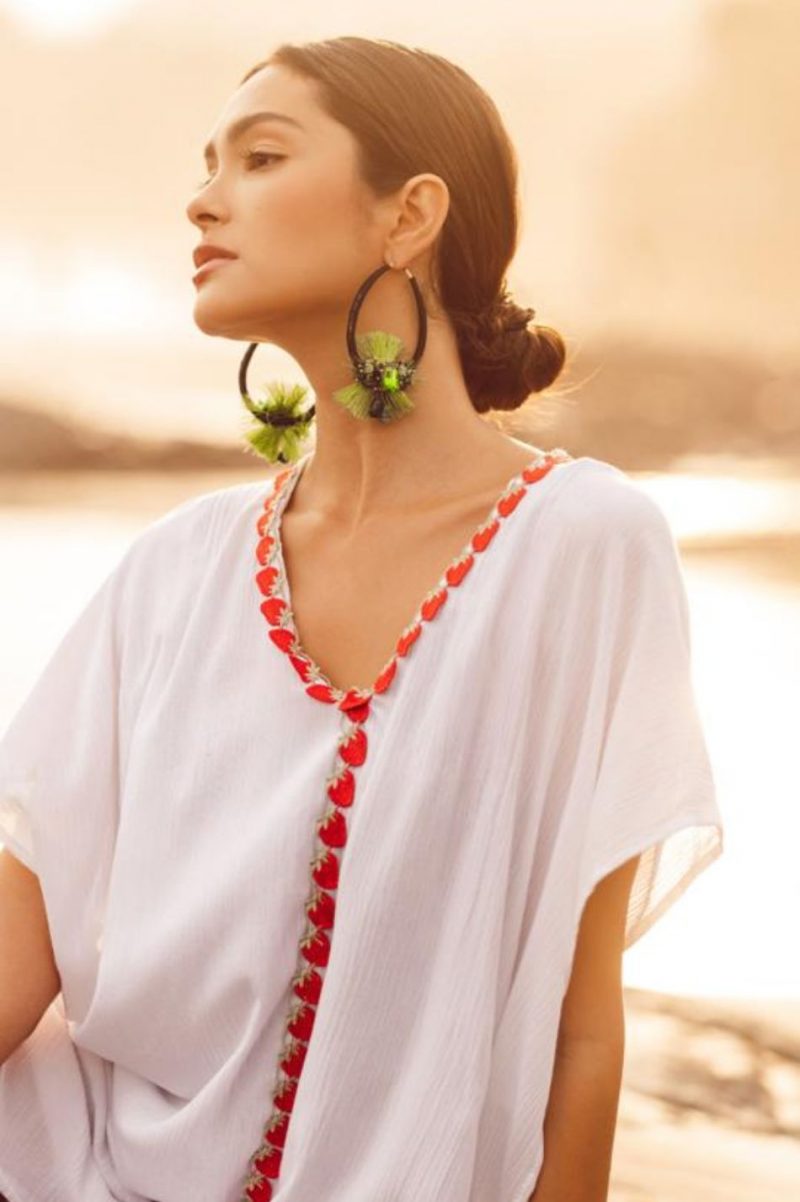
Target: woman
{"x": 400, "y": 745}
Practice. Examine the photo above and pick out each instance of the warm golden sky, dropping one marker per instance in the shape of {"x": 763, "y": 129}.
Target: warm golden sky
{"x": 660, "y": 179}
{"x": 85, "y": 17}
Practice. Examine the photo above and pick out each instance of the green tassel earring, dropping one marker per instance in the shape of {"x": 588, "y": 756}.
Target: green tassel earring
{"x": 281, "y": 427}
{"x": 381, "y": 374}
{"x": 382, "y": 377}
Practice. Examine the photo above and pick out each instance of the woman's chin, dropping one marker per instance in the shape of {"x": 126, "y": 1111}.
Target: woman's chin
{"x": 211, "y": 317}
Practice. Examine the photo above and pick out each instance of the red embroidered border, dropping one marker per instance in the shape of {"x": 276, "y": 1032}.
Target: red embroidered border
{"x": 331, "y": 828}
{"x": 271, "y": 582}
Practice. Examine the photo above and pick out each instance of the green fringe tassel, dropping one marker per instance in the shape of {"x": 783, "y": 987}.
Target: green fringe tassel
{"x": 377, "y": 344}
{"x": 278, "y": 444}
{"x": 380, "y": 347}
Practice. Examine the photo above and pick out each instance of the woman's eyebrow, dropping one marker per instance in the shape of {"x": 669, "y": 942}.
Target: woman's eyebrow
{"x": 242, "y": 123}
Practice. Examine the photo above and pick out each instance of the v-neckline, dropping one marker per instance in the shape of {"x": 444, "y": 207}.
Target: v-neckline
{"x": 273, "y": 583}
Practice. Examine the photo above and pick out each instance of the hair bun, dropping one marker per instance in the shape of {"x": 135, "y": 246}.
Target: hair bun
{"x": 509, "y": 358}
{"x": 513, "y": 318}
{"x": 505, "y": 316}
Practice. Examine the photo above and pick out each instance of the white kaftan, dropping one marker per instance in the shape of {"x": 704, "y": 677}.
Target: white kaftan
{"x": 166, "y": 779}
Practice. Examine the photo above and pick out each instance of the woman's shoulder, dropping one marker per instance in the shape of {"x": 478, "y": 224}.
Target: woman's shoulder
{"x": 609, "y": 560}
{"x": 181, "y": 542}
{"x": 594, "y": 504}
{"x": 201, "y": 515}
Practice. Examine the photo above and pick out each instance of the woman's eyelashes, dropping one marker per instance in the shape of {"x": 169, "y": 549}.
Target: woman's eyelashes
{"x": 252, "y": 156}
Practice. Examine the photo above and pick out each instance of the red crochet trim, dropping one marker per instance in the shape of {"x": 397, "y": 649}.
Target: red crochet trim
{"x": 276, "y": 606}
{"x": 331, "y": 827}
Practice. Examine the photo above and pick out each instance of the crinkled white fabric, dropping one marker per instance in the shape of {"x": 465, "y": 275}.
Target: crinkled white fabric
{"x": 163, "y": 779}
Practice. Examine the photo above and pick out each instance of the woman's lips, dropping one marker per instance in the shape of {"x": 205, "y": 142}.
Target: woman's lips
{"x": 210, "y": 264}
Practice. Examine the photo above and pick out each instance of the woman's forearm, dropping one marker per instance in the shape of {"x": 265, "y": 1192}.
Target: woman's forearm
{"x": 580, "y": 1121}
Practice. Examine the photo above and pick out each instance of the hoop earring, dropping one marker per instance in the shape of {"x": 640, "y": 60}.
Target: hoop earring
{"x": 378, "y": 391}
{"x": 281, "y": 428}
{"x": 381, "y": 374}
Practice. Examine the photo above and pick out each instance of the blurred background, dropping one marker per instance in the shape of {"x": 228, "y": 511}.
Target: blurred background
{"x": 660, "y": 183}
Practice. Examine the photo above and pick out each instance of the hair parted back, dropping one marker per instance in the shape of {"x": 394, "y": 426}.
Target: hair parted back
{"x": 413, "y": 111}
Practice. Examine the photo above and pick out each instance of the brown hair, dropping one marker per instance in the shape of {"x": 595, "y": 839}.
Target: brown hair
{"x": 413, "y": 111}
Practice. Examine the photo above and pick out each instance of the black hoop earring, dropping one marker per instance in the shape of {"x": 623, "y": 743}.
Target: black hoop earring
{"x": 381, "y": 374}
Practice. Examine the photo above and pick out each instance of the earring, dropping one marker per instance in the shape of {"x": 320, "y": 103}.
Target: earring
{"x": 381, "y": 378}
{"x": 381, "y": 374}
{"x": 282, "y": 427}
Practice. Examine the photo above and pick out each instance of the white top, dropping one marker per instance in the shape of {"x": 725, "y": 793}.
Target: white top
{"x": 168, "y": 777}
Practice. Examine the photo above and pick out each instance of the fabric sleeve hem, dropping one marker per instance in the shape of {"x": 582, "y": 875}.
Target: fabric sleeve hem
{"x": 645, "y": 906}
{"x": 18, "y": 850}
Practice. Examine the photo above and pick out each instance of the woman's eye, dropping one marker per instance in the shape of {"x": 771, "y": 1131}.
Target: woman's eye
{"x": 260, "y": 155}
{"x": 252, "y": 156}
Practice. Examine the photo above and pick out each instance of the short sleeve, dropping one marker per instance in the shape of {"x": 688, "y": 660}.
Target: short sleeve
{"x": 654, "y": 791}
{"x": 58, "y": 756}
{"x": 62, "y": 755}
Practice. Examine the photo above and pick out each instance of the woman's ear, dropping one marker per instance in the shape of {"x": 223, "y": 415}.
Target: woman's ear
{"x": 421, "y": 209}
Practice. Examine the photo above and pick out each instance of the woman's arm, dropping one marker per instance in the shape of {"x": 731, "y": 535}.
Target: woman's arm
{"x": 581, "y": 1112}
{"x": 29, "y": 978}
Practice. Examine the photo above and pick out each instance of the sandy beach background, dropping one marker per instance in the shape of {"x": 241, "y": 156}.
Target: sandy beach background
{"x": 710, "y": 1105}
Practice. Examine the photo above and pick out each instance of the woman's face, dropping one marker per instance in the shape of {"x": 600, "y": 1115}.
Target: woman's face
{"x": 286, "y": 199}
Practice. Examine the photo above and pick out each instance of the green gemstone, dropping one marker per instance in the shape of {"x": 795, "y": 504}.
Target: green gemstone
{"x": 390, "y": 380}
